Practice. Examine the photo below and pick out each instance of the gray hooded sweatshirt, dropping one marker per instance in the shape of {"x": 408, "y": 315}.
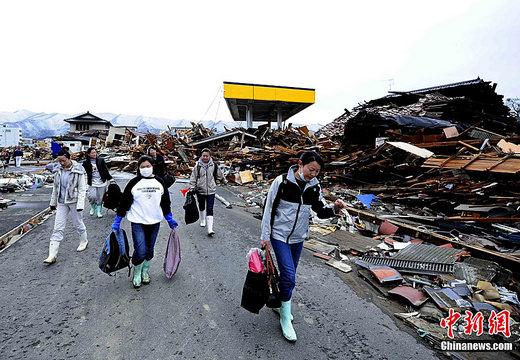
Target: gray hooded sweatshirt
{"x": 202, "y": 178}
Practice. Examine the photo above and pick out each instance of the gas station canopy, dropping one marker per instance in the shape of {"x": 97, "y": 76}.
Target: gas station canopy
{"x": 267, "y": 103}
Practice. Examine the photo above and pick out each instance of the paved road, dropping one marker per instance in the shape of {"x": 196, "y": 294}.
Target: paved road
{"x": 72, "y": 310}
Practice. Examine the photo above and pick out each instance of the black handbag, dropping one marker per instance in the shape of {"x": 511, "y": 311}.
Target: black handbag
{"x": 191, "y": 210}
{"x": 273, "y": 282}
{"x": 112, "y": 196}
{"x": 255, "y": 291}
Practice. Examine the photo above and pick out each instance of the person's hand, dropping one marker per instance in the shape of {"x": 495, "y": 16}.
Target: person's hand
{"x": 171, "y": 221}
{"x": 265, "y": 244}
{"x": 116, "y": 225}
{"x": 53, "y": 208}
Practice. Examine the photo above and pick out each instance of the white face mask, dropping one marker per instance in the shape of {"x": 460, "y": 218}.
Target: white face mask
{"x": 146, "y": 172}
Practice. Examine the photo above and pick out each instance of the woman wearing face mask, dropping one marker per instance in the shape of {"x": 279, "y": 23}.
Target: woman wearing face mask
{"x": 145, "y": 202}
{"x": 285, "y": 224}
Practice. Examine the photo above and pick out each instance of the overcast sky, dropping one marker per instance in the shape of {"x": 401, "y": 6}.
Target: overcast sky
{"x": 169, "y": 58}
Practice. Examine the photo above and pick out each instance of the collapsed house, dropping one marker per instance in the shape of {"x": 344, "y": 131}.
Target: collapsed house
{"x": 431, "y": 181}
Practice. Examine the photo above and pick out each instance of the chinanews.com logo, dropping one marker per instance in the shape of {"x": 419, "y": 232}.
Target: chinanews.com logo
{"x": 497, "y": 323}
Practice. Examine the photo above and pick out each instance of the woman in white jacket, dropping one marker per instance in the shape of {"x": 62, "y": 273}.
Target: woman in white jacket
{"x": 68, "y": 198}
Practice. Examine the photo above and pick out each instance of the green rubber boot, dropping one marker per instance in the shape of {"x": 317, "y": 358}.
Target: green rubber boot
{"x": 99, "y": 209}
{"x": 145, "y": 276}
{"x": 92, "y": 209}
{"x": 277, "y": 310}
{"x": 138, "y": 269}
{"x": 285, "y": 321}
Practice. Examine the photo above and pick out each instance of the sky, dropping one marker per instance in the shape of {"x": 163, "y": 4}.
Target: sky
{"x": 169, "y": 58}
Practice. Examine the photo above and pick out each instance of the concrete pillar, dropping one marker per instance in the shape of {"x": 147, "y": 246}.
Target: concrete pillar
{"x": 279, "y": 119}
{"x": 249, "y": 116}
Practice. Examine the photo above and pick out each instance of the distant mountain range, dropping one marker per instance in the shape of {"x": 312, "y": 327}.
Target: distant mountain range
{"x": 41, "y": 125}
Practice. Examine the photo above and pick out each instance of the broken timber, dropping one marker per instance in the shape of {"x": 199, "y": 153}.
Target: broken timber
{"x": 505, "y": 259}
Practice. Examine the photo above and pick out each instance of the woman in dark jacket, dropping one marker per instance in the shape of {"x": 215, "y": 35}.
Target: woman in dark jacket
{"x": 97, "y": 177}
{"x": 145, "y": 202}
{"x": 285, "y": 224}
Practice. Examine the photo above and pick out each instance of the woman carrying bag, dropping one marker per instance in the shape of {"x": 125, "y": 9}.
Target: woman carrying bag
{"x": 145, "y": 202}
{"x": 285, "y": 224}
{"x": 203, "y": 182}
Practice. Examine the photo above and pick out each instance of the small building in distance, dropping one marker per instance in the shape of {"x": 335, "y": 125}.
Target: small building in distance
{"x": 87, "y": 122}
{"x": 9, "y": 135}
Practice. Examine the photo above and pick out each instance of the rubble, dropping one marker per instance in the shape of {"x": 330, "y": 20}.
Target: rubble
{"x": 11, "y": 182}
{"x": 431, "y": 181}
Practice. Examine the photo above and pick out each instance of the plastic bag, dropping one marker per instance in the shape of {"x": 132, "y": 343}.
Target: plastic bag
{"x": 172, "y": 259}
{"x": 255, "y": 261}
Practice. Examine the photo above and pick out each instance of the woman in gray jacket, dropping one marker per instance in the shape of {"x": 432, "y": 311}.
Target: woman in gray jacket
{"x": 285, "y": 224}
{"x": 203, "y": 182}
{"x": 68, "y": 197}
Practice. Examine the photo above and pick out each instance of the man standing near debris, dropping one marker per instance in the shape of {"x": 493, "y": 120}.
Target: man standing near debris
{"x": 97, "y": 177}
{"x": 18, "y": 155}
{"x": 160, "y": 168}
{"x": 145, "y": 202}
{"x": 7, "y": 157}
{"x": 37, "y": 155}
{"x": 203, "y": 182}
{"x": 285, "y": 224}
{"x": 159, "y": 165}
{"x": 68, "y": 197}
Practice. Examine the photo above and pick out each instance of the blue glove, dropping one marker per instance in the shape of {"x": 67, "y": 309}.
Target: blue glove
{"x": 171, "y": 221}
{"x": 116, "y": 226}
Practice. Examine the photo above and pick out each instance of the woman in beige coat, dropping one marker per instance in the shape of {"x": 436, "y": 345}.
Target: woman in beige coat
{"x": 203, "y": 182}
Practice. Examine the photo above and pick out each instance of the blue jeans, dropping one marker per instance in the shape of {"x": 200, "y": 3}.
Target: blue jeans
{"x": 206, "y": 199}
{"x": 144, "y": 237}
{"x": 287, "y": 257}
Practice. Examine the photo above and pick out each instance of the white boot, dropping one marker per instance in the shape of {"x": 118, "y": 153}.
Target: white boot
{"x": 82, "y": 242}
{"x": 202, "y": 215}
{"x": 53, "y": 252}
{"x": 209, "y": 220}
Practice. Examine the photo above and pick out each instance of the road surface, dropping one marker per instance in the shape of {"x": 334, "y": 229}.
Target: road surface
{"x": 71, "y": 310}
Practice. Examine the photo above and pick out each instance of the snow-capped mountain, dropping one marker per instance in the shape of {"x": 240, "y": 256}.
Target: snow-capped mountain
{"x": 41, "y": 125}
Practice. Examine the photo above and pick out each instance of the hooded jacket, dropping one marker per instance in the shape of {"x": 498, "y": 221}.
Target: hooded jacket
{"x": 202, "y": 178}
{"x": 289, "y": 222}
{"x": 76, "y": 187}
